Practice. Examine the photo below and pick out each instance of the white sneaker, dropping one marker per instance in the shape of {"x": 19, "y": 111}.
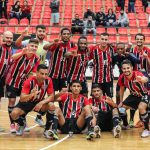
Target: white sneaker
{"x": 145, "y": 133}
{"x": 40, "y": 122}
{"x": 97, "y": 131}
{"x": 117, "y": 131}
{"x": 27, "y": 129}
{"x": 12, "y": 128}
{"x": 20, "y": 130}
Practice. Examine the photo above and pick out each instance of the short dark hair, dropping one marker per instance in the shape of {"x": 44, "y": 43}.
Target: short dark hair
{"x": 105, "y": 34}
{"x": 121, "y": 43}
{"x": 75, "y": 81}
{"x": 126, "y": 61}
{"x": 63, "y": 29}
{"x": 82, "y": 37}
{"x": 41, "y": 66}
{"x": 35, "y": 41}
{"x": 41, "y": 26}
{"x": 140, "y": 34}
{"x": 95, "y": 85}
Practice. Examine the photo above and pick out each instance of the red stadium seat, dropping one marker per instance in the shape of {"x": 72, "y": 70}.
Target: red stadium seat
{"x": 34, "y": 22}
{"x": 133, "y": 31}
{"x": 13, "y": 22}
{"x": 131, "y": 16}
{"x": 11, "y": 29}
{"x": 111, "y": 30}
{"x": 148, "y": 10}
{"x": 145, "y": 31}
{"x": 21, "y": 29}
{"x": 55, "y": 30}
{"x": 100, "y": 30}
{"x": 122, "y": 31}
{"x": 147, "y": 40}
{"x": 113, "y": 39}
{"x": 123, "y": 39}
{"x": 52, "y": 37}
{"x": 132, "y": 23}
{"x": 47, "y": 15}
{"x": 75, "y": 38}
{"x": 139, "y": 10}
{"x": 2, "y": 29}
{"x": 133, "y": 39}
{"x": 36, "y": 14}
{"x": 143, "y": 23}
{"x": 141, "y": 16}
{"x": 46, "y": 22}
{"x": 24, "y": 22}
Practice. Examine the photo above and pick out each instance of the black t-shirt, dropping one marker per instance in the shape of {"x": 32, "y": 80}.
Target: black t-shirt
{"x": 15, "y": 9}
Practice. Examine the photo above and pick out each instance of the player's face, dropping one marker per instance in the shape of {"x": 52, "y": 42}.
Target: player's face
{"x": 65, "y": 37}
{"x": 40, "y": 33}
{"x": 127, "y": 69}
{"x": 32, "y": 48}
{"x": 82, "y": 44}
{"x": 76, "y": 88}
{"x": 42, "y": 74}
{"x": 96, "y": 92}
{"x": 8, "y": 39}
{"x": 120, "y": 49}
{"x": 139, "y": 40}
{"x": 104, "y": 40}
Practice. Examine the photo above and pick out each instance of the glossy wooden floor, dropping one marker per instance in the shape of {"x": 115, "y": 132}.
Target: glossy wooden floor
{"x": 130, "y": 139}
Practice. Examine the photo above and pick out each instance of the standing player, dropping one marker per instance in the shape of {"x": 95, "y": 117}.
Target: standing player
{"x": 58, "y": 62}
{"x": 138, "y": 98}
{"x": 77, "y": 60}
{"x": 106, "y": 110}
{"x": 32, "y": 97}
{"x": 23, "y": 62}
{"x": 102, "y": 57}
{"x": 73, "y": 115}
{"x": 5, "y": 54}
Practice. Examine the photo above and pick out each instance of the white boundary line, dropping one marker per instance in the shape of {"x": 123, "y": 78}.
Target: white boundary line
{"x": 29, "y": 127}
{"x": 51, "y": 145}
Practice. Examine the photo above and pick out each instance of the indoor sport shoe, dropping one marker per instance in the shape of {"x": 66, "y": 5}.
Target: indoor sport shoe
{"x": 145, "y": 133}
{"x": 125, "y": 127}
{"x": 139, "y": 124}
{"x": 46, "y": 134}
{"x": 39, "y": 121}
{"x": 27, "y": 129}
{"x": 53, "y": 134}
{"x": 20, "y": 130}
{"x": 131, "y": 124}
{"x": 97, "y": 131}
{"x": 90, "y": 135}
{"x": 12, "y": 128}
{"x": 117, "y": 131}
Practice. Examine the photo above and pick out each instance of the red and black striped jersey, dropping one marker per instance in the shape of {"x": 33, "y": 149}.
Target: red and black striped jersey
{"x": 20, "y": 69}
{"x": 135, "y": 88}
{"x": 72, "y": 108}
{"x": 58, "y": 63}
{"x": 101, "y": 104}
{"x": 5, "y": 54}
{"x": 46, "y": 87}
{"x": 143, "y": 62}
{"x": 103, "y": 70}
{"x": 76, "y": 66}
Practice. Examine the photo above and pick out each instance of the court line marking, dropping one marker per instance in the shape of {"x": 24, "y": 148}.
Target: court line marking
{"x": 59, "y": 141}
{"x": 29, "y": 127}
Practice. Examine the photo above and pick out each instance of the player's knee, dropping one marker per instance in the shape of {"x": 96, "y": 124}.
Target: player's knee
{"x": 51, "y": 106}
{"x": 14, "y": 114}
{"x": 142, "y": 107}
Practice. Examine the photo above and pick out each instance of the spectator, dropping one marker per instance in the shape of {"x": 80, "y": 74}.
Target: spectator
{"x": 77, "y": 25}
{"x": 89, "y": 26}
{"x": 149, "y": 21}
{"x": 54, "y": 5}
{"x": 145, "y": 4}
{"x": 26, "y": 11}
{"x": 89, "y": 13}
{"x": 15, "y": 10}
{"x": 131, "y": 6}
{"x": 101, "y": 18}
{"x": 123, "y": 20}
{"x": 110, "y": 18}
{"x": 121, "y": 3}
{"x": 3, "y": 8}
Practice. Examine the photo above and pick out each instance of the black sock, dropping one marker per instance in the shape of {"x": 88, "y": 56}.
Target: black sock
{"x": 124, "y": 119}
{"x": 21, "y": 121}
{"x": 9, "y": 112}
{"x": 116, "y": 120}
{"x": 145, "y": 119}
{"x": 88, "y": 121}
{"x": 39, "y": 116}
{"x": 132, "y": 113}
{"x": 49, "y": 119}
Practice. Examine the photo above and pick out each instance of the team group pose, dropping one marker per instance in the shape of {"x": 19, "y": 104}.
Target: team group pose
{"x": 63, "y": 81}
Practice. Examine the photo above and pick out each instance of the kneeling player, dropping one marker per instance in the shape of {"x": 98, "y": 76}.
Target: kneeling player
{"x": 106, "y": 111}
{"x": 74, "y": 113}
{"x": 32, "y": 97}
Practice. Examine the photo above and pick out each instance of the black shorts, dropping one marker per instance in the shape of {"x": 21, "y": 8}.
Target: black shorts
{"x": 84, "y": 88}
{"x": 26, "y": 106}
{"x": 133, "y": 101}
{"x": 12, "y": 92}
{"x": 104, "y": 120}
{"x": 107, "y": 88}
{"x": 58, "y": 84}
{"x": 2, "y": 85}
{"x": 70, "y": 126}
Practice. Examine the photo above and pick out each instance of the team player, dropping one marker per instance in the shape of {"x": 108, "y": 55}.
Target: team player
{"x": 58, "y": 63}
{"x": 33, "y": 97}
{"x": 138, "y": 98}
{"x": 106, "y": 111}
{"x": 77, "y": 59}
{"x": 102, "y": 58}
{"x": 23, "y": 62}
{"x": 5, "y": 55}
{"x": 74, "y": 113}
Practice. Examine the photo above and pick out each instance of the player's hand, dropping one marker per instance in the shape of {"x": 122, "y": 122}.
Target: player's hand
{"x": 145, "y": 55}
{"x": 35, "y": 92}
{"x": 120, "y": 105}
{"x": 56, "y": 40}
{"x": 95, "y": 109}
{"x": 24, "y": 50}
{"x": 138, "y": 79}
{"x": 38, "y": 106}
{"x": 25, "y": 32}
